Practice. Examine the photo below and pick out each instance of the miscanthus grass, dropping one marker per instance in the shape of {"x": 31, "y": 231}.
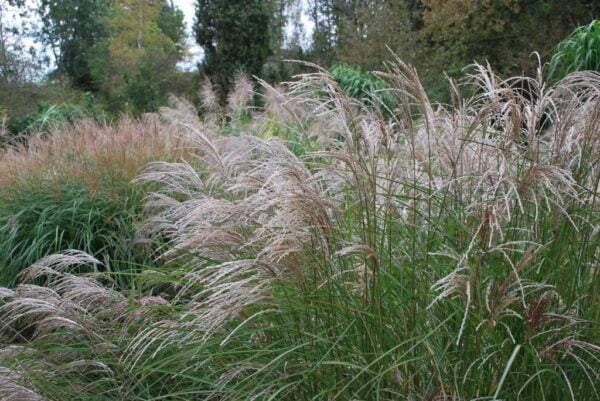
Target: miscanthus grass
{"x": 318, "y": 250}
{"x": 71, "y": 188}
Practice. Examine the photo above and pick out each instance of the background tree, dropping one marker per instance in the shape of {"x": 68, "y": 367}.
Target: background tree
{"x": 276, "y": 67}
{"x": 441, "y": 36}
{"x": 10, "y": 68}
{"x": 505, "y": 33}
{"x": 135, "y": 64}
{"x": 235, "y": 36}
{"x": 73, "y": 28}
{"x": 325, "y": 17}
{"x": 20, "y": 64}
{"x": 288, "y": 40}
{"x": 368, "y": 29}
{"x": 126, "y": 52}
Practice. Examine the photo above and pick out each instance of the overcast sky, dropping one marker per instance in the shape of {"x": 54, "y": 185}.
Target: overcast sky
{"x": 188, "y": 8}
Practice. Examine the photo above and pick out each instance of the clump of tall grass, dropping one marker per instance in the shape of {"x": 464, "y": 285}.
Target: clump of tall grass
{"x": 578, "y": 52}
{"x": 443, "y": 253}
{"x": 71, "y": 189}
{"x": 88, "y": 150}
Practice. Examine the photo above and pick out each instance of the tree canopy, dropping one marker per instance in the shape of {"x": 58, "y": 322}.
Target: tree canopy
{"x": 73, "y": 28}
{"x": 126, "y": 54}
{"x": 139, "y": 54}
{"x": 235, "y": 36}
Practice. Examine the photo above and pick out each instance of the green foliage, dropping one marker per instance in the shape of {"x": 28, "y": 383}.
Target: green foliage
{"x": 73, "y": 28}
{"x": 143, "y": 90}
{"x": 42, "y": 218}
{"x": 171, "y": 22}
{"x": 47, "y": 116}
{"x": 235, "y": 36}
{"x": 440, "y": 36}
{"x": 361, "y": 85}
{"x": 580, "y": 51}
{"x": 136, "y": 62}
{"x": 20, "y": 124}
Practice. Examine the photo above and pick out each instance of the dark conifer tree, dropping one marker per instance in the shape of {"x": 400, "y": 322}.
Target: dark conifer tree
{"x": 235, "y": 36}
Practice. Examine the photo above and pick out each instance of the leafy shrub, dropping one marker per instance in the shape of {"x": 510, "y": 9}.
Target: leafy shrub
{"x": 46, "y": 116}
{"x": 20, "y": 124}
{"x": 360, "y": 84}
{"x": 142, "y": 90}
{"x": 579, "y": 52}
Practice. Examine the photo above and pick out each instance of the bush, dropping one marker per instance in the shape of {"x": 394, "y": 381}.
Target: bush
{"x": 361, "y": 85}
{"x": 46, "y": 116}
{"x": 143, "y": 90}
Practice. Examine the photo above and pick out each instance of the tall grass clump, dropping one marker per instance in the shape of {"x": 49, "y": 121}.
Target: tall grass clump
{"x": 443, "y": 253}
{"x": 71, "y": 189}
{"x": 579, "y": 52}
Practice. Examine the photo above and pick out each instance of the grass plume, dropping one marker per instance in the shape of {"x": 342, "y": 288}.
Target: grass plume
{"x": 335, "y": 248}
